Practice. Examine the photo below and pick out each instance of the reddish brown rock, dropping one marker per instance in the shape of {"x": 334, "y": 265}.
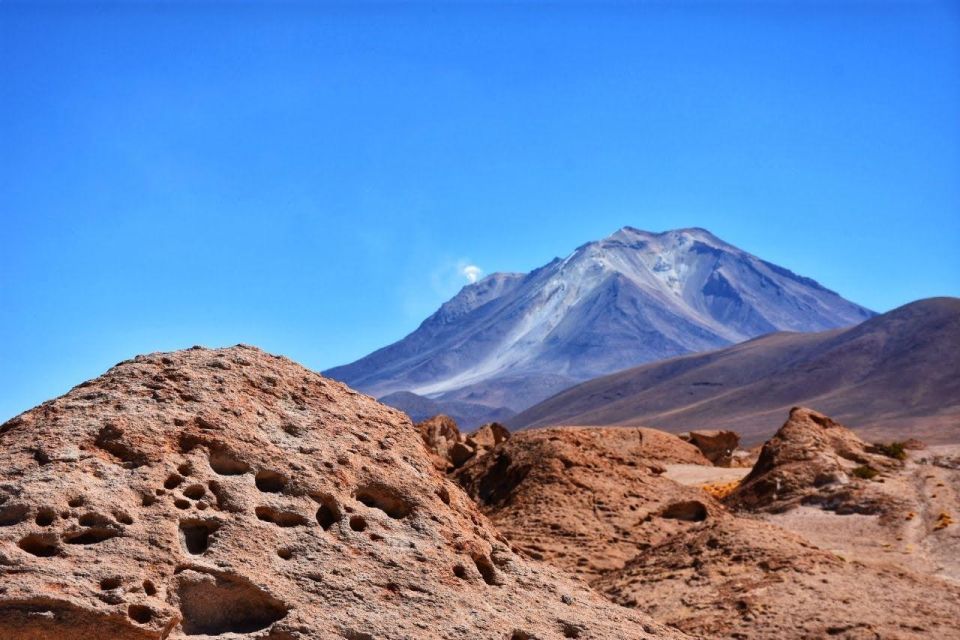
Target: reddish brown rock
{"x": 586, "y": 499}
{"x": 439, "y": 434}
{"x": 231, "y": 493}
{"x": 718, "y": 446}
{"x": 488, "y": 436}
{"x": 812, "y": 459}
{"x": 451, "y": 449}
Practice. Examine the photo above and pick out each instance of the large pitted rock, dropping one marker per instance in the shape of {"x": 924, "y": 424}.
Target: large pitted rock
{"x": 811, "y": 459}
{"x": 586, "y": 499}
{"x": 742, "y": 578}
{"x": 717, "y": 445}
{"x": 235, "y": 494}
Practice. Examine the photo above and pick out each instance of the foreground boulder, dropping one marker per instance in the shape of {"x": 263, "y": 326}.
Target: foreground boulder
{"x": 813, "y": 459}
{"x": 586, "y": 499}
{"x": 231, "y": 493}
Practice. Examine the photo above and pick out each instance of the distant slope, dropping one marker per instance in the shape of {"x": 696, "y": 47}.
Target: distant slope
{"x": 512, "y": 339}
{"x": 468, "y": 414}
{"x": 896, "y": 374}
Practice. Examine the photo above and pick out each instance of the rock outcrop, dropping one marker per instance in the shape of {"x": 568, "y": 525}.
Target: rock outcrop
{"x": 717, "y": 445}
{"x": 586, "y": 499}
{"x": 812, "y": 459}
{"x": 231, "y": 493}
{"x": 451, "y": 449}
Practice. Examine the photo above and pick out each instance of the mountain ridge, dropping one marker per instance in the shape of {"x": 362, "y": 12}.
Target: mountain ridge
{"x": 629, "y": 298}
{"x": 885, "y": 375}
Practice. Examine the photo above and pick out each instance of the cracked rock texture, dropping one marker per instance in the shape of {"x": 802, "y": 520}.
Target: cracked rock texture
{"x": 234, "y": 494}
{"x": 586, "y": 499}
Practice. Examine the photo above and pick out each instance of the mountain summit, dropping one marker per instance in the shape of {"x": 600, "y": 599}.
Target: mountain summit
{"x": 511, "y": 340}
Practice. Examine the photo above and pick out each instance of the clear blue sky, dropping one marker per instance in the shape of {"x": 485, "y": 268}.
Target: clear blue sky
{"x": 310, "y": 178}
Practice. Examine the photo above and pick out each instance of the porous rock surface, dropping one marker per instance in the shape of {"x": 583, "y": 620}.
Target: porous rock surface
{"x": 233, "y": 494}
{"x": 812, "y": 459}
{"x": 586, "y": 499}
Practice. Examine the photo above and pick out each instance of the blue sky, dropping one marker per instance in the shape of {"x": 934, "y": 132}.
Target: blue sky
{"x": 310, "y": 178}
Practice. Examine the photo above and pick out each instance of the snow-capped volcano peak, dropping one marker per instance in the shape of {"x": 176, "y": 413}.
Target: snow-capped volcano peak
{"x": 630, "y": 298}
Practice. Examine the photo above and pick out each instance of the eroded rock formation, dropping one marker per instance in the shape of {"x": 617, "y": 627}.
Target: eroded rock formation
{"x": 812, "y": 459}
{"x": 234, "y": 493}
{"x": 586, "y": 499}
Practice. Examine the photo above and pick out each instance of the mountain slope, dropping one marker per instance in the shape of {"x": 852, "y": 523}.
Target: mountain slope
{"x": 895, "y": 373}
{"x": 512, "y": 339}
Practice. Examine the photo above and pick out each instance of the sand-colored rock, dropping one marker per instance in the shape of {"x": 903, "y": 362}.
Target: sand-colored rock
{"x": 736, "y": 577}
{"x": 233, "y": 494}
{"x": 813, "y": 459}
{"x": 586, "y": 499}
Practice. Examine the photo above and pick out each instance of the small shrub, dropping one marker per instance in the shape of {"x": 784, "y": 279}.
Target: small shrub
{"x": 865, "y": 472}
{"x": 895, "y": 450}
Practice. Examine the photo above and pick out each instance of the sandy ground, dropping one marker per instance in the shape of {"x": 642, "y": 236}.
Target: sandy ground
{"x": 696, "y": 475}
{"x": 913, "y": 533}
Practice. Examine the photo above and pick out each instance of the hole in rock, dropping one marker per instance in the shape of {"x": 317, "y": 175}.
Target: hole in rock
{"x": 285, "y": 553}
{"x": 92, "y": 535}
{"x": 180, "y": 503}
{"x": 195, "y": 534}
{"x": 270, "y": 481}
{"x": 385, "y": 499}
{"x": 76, "y": 502}
{"x": 195, "y": 491}
{"x": 219, "y": 604}
{"x": 571, "y": 630}
{"x": 173, "y": 481}
{"x": 45, "y": 517}
{"x": 226, "y": 464}
{"x": 689, "y": 510}
{"x": 444, "y": 495}
{"x": 329, "y": 512}
{"x": 521, "y": 635}
{"x": 122, "y": 517}
{"x": 185, "y": 469}
{"x": 93, "y": 520}
{"x": 280, "y": 518}
{"x": 149, "y": 588}
{"x": 42, "y": 545}
{"x": 12, "y": 514}
{"x": 140, "y": 613}
{"x": 460, "y": 571}
{"x": 358, "y": 523}
{"x": 485, "y": 567}
{"x": 147, "y": 500}
{"x": 110, "y": 583}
